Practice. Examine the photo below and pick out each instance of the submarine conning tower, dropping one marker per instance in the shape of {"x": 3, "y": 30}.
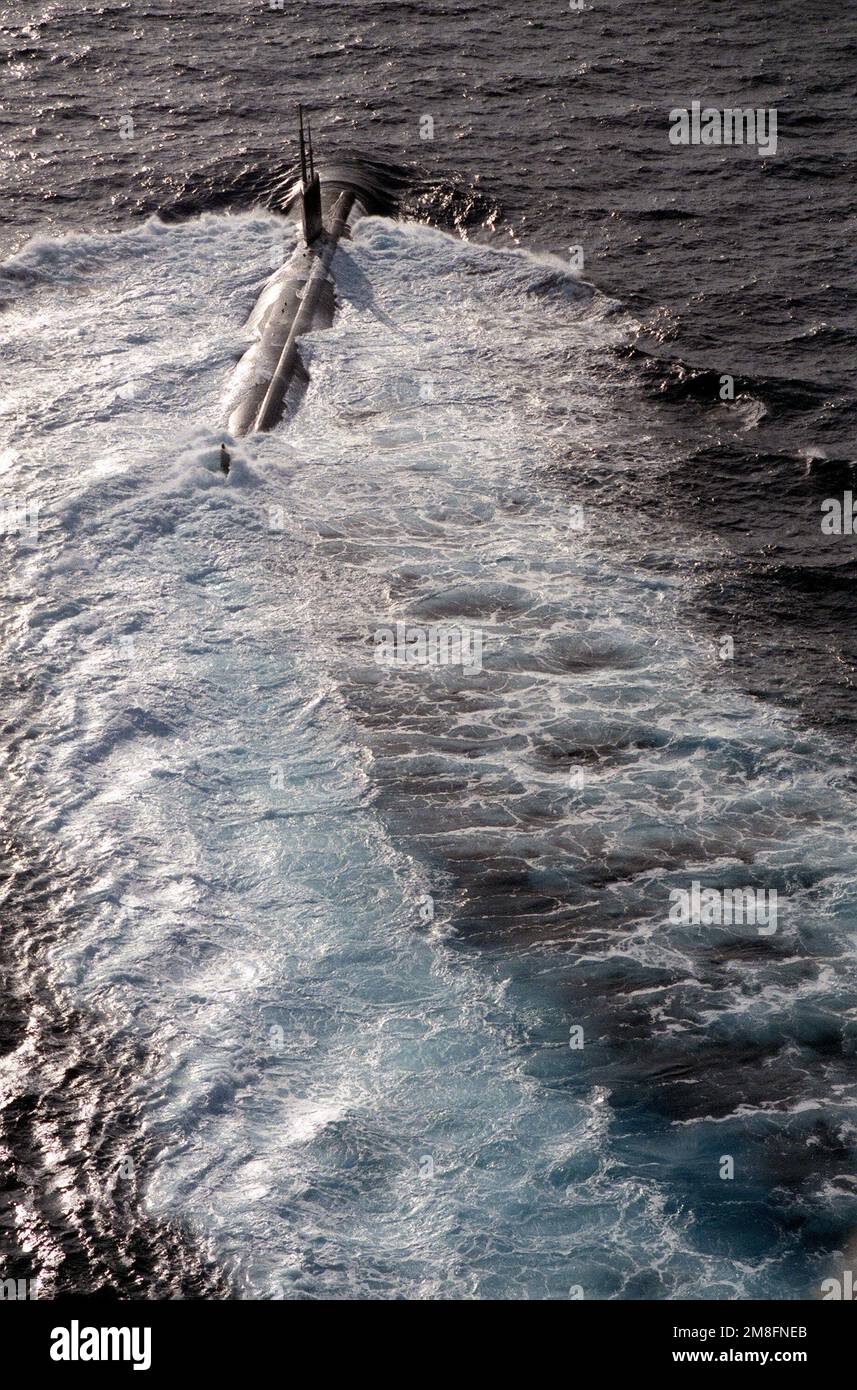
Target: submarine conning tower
{"x": 297, "y": 299}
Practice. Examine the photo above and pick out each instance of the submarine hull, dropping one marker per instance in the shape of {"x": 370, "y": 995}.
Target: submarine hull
{"x": 299, "y": 298}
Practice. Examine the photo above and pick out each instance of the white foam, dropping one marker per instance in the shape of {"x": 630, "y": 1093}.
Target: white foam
{"x": 197, "y": 756}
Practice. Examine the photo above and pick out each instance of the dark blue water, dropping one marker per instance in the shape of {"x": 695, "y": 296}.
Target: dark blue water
{"x": 549, "y": 130}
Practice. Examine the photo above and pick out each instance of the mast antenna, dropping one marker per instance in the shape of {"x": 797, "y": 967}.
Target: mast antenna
{"x": 310, "y": 185}
{"x": 303, "y": 144}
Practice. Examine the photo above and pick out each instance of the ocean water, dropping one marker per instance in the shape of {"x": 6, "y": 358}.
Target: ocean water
{"x": 323, "y": 978}
{"x": 549, "y": 131}
{"x": 320, "y": 932}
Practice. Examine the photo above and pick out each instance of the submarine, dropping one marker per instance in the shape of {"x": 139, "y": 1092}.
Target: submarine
{"x": 270, "y": 378}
